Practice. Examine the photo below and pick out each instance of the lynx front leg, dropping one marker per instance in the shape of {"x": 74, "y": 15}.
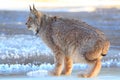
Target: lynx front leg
{"x": 59, "y": 61}
{"x": 94, "y": 70}
{"x": 68, "y": 64}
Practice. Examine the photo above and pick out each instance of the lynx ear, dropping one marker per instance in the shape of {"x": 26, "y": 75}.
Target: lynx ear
{"x": 34, "y": 9}
{"x": 34, "y": 12}
{"x": 30, "y": 8}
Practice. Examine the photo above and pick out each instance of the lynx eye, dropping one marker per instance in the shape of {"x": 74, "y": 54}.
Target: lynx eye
{"x": 30, "y": 19}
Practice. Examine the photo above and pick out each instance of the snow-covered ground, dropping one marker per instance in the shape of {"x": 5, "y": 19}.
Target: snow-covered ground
{"x": 105, "y": 74}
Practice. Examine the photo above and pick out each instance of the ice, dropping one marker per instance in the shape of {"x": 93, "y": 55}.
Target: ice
{"x": 39, "y": 73}
{"x": 21, "y": 45}
{"x": 21, "y": 68}
{"x": 32, "y": 70}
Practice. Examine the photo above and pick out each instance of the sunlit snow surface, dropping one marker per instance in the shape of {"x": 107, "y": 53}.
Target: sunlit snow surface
{"x": 24, "y": 45}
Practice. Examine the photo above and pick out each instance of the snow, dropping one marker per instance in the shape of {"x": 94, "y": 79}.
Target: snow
{"x": 21, "y": 44}
{"x": 30, "y": 69}
{"x": 105, "y": 74}
{"x": 21, "y": 68}
{"x": 40, "y": 73}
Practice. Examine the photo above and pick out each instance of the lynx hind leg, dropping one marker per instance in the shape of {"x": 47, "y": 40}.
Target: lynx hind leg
{"x": 93, "y": 69}
{"x": 99, "y": 50}
{"x": 68, "y": 64}
{"x": 93, "y": 54}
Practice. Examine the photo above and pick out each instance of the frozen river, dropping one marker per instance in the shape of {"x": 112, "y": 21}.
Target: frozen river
{"x": 22, "y": 52}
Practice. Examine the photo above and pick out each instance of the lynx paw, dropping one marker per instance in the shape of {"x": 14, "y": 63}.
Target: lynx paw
{"x": 52, "y": 73}
{"x": 66, "y": 73}
{"x": 84, "y": 75}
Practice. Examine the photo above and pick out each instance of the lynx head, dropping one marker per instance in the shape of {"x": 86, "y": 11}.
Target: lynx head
{"x": 34, "y": 19}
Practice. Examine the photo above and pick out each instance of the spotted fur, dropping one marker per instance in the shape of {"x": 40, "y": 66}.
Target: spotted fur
{"x": 71, "y": 41}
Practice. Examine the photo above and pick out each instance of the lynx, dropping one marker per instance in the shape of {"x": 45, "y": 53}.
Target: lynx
{"x": 72, "y": 41}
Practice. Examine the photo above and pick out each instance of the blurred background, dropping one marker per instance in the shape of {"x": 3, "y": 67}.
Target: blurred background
{"x": 47, "y": 4}
{"x": 21, "y": 51}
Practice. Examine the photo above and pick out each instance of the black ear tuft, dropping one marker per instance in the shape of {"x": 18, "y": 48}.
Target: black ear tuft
{"x": 34, "y": 7}
{"x": 30, "y": 8}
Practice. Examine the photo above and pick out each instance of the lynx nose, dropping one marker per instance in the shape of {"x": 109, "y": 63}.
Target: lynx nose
{"x": 25, "y": 23}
